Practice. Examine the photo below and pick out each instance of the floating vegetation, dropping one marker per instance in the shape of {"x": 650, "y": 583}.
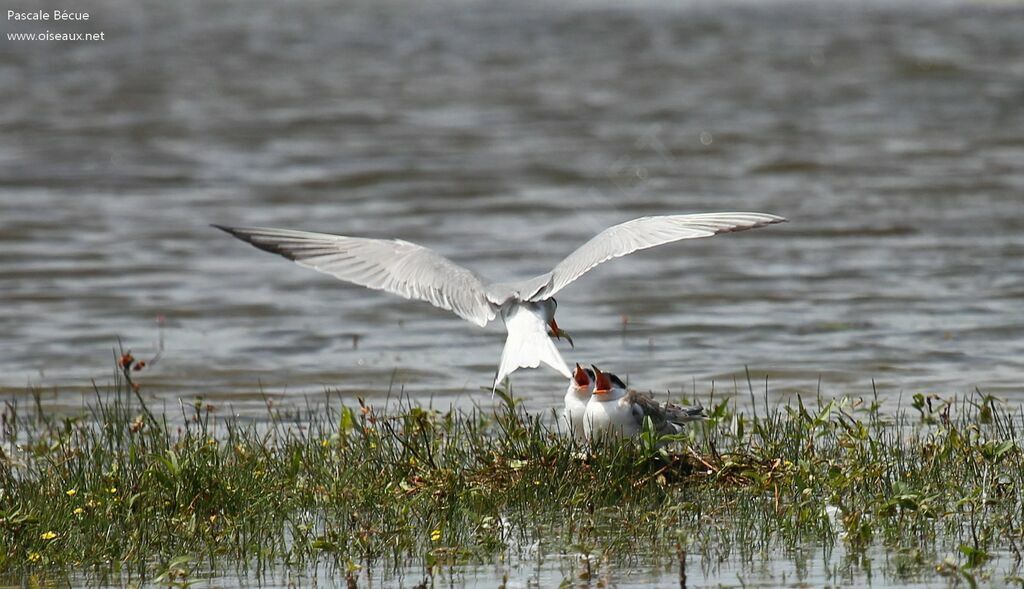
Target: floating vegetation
{"x": 119, "y": 492}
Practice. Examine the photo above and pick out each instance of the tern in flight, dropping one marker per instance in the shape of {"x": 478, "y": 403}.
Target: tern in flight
{"x": 527, "y": 306}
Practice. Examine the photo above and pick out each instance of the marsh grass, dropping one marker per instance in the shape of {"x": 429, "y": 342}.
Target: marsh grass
{"x": 122, "y": 493}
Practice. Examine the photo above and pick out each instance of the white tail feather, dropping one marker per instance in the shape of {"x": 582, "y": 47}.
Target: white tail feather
{"x": 528, "y": 344}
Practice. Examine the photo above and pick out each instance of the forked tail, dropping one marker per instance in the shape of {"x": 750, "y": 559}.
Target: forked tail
{"x": 528, "y": 344}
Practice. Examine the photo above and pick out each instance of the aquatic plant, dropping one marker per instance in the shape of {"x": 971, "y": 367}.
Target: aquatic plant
{"x": 120, "y": 491}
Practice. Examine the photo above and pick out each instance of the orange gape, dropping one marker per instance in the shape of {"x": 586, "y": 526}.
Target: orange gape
{"x": 580, "y": 376}
{"x": 602, "y": 385}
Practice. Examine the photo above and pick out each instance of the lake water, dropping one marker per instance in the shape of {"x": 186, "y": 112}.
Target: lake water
{"x": 504, "y": 135}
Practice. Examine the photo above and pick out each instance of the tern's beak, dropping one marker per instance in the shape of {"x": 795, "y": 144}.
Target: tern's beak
{"x": 559, "y": 333}
{"x": 602, "y": 384}
{"x": 579, "y": 376}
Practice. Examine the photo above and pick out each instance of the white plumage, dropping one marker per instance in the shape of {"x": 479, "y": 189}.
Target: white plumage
{"x": 415, "y": 272}
{"x": 581, "y": 385}
{"x": 616, "y": 411}
{"x": 528, "y": 343}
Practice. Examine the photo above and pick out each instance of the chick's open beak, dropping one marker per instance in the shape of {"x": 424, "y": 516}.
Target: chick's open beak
{"x": 602, "y": 383}
{"x": 559, "y": 333}
{"x": 580, "y": 376}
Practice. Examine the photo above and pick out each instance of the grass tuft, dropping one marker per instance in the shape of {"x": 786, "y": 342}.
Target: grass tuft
{"x": 120, "y": 492}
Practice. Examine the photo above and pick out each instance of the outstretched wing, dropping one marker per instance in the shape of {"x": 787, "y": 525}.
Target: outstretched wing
{"x": 643, "y": 233}
{"x": 395, "y": 266}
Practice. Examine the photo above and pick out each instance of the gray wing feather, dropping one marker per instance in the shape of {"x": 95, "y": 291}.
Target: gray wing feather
{"x": 666, "y": 417}
{"x": 395, "y": 266}
{"x": 644, "y": 233}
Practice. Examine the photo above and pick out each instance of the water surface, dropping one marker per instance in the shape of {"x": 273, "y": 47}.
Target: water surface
{"x": 504, "y": 135}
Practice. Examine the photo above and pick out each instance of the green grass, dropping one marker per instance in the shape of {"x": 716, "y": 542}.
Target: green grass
{"x": 120, "y": 492}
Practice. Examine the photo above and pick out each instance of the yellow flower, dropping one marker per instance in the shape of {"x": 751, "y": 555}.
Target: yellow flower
{"x": 34, "y": 556}
{"x": 71, "y": 492}
{"x": 47, "y": 535}
{"x": 78, "y": 511}
{"x": 325, "y": 442}
{"x": 435, "y": 536}
{"x": 112, "y": 490}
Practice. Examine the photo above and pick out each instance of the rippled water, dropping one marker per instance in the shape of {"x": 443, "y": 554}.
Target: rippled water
{"x": 504, "y": 135}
